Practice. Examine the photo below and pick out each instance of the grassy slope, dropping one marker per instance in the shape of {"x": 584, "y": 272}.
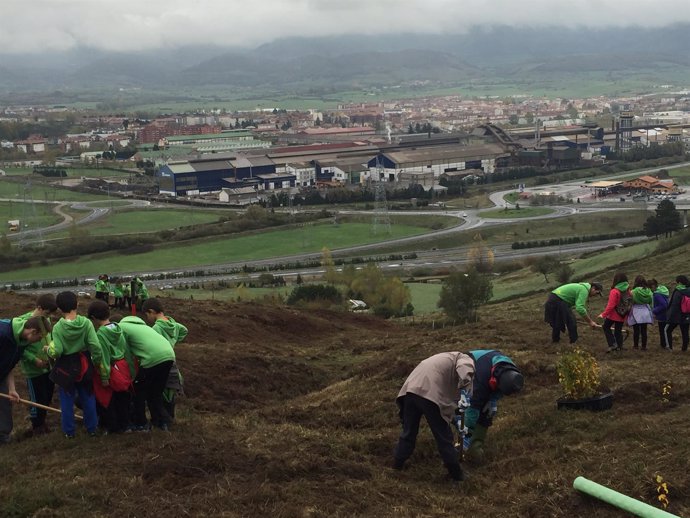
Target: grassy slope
{"x": 40, "y": 215}
{"x": 131, "y": 222}
{"x": 15, "y": 190}
{"x": 244, "y": 248}
{"x": 526, "y": 212}
{"x": 291, "y": 413}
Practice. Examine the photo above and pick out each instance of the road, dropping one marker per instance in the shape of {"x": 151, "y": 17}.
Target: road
{"x": 30, "y": 235}
{"x": 468, "y": 219}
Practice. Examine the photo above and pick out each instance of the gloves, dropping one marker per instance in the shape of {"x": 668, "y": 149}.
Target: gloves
{"x": 457, "y": 422}
{"x": 479, "y": 434}
{"x": 464, "y": 401}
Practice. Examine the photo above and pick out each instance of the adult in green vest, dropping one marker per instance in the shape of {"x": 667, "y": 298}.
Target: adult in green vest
{"x": 558, "y": 308}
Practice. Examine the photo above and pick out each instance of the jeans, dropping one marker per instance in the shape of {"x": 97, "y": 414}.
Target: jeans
{"x": 640, "y": 331}
{"x": 613, "y": 338}
{"x": 88, "y": 405}
{"x": 41, "y": 391}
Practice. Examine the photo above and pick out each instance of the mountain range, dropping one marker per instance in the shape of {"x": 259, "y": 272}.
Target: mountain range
{"x": 347, "y": 61}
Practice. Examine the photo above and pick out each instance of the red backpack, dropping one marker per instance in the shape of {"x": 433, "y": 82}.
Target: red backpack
{"x": 685, "y": 304}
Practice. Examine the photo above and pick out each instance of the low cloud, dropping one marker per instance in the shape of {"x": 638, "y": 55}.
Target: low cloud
{"x": 129, "y": 25}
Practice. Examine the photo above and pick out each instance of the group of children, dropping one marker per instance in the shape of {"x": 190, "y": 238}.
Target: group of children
{"x": 111, "y": 370}
{"x": 125, "y": 293}
{"x": 642, "y": 304}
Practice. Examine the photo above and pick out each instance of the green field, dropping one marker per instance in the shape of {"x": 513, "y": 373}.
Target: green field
{"x": 149, "y": 220}
{"x": 424, "y": 296}
{"x": 42, "y": 192}
{"x": 533, "y": 230}
{"x": 263, "y": 245}
{"x": 527, "y": 212}
{"x": 36, "y": 216}
{"x": 108, "y": 204}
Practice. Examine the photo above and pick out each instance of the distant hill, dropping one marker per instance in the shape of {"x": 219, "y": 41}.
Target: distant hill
{"x": 358, "y": 60}
{"x": 355, "y": 68}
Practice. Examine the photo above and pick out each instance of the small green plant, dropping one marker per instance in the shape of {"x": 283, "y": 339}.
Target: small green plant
{"x": 578, "y": 374}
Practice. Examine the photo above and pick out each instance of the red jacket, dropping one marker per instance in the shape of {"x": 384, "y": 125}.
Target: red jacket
{"x": 610, "y": 311}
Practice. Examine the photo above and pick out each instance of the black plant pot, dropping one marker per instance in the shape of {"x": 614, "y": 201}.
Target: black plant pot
{"x": 596, "y": 403}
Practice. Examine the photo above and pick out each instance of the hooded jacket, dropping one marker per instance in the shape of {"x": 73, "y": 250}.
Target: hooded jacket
{"x": 10, "y": 350}
{"x": 614, "y": 298}
{"x": 660, "y": 303}
{"x": 112, "y": 342}
{"x": 674, "y": 315}
{"x": 172, "y": 331}
{"x": 642, "y": 295}
{"x": 575, "y": 295}
{"x": 488, "y": 364}
{"x": 146, "y": 344}
{"x": 33, "y": 352}
{"x": 76, "y": 336}
{"x": 439, "y": 379}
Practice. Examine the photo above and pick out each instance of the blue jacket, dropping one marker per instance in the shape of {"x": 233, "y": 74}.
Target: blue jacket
{"x": 488, "y": 364}
{"x": 660, "y": 306}
{"x": 10, "y": 353}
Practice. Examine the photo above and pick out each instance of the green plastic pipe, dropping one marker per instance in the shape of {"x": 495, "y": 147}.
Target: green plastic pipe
{"x": 619, "y": 500}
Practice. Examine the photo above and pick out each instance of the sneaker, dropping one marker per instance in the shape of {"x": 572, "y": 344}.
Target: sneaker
{"x": 164, "y": 428}
{"x": 398, "y": 464}
{"x": 141, "y": 428}
{"x": 69, "y": 436}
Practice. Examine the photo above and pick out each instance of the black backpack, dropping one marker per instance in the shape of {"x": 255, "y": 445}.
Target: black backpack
{"x": 625, "y": 303}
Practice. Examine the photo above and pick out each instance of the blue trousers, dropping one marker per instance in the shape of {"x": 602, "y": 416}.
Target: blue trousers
{"x": 88, "y": 404}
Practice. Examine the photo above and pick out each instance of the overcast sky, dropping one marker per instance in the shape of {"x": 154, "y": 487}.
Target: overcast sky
{"x": 125, "y": 25}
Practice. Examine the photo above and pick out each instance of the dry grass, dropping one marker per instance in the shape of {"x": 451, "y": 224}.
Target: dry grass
{"x": 292, "y": 414}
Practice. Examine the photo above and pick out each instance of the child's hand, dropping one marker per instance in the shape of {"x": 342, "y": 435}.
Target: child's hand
{"x": 40, "y": 363}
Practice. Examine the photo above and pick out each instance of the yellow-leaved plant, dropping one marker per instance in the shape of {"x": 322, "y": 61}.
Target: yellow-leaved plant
{"x": 578, "y": 374}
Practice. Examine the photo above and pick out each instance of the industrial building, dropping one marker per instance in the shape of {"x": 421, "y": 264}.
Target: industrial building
{"x": 420, "y": 161}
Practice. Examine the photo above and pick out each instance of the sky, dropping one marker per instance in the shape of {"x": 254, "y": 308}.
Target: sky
{"x": 30, "y": 26}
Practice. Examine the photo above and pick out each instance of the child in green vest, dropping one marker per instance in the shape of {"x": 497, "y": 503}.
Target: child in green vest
{"x": 35, "y": 366}
{"x": 15, "y": 334}
{"x": 173, "y": 332}
{"x": 156, "y": 356}
{"x": 76, "y": 349}
{"x": 113, "y": 402}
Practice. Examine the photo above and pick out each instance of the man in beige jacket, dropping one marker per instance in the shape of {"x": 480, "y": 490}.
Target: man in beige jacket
{"x": 432, "y": 390}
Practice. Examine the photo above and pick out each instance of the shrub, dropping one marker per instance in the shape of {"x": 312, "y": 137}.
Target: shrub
{"x": 578, "y": 374}
{"x": 463, "y": 293}
{"x": 563, "y": 273}
{"x": 312, "y": 292}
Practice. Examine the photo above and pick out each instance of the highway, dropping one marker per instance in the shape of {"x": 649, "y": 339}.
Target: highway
{"x": 468, "y": 220}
